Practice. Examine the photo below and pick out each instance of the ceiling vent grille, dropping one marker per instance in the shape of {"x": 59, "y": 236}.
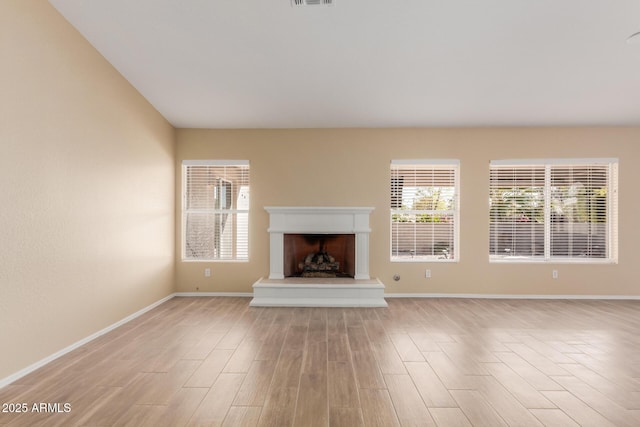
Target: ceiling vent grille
{"x": 312, "y": 2}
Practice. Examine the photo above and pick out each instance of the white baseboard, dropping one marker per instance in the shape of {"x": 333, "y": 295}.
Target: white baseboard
{"x": 214, "y": 294}
{"x": 517, "y": 296}
{"x": 441, "y": 295}
{"x": 23, "y": 372}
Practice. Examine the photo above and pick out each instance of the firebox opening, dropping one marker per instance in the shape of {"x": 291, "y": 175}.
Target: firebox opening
{"x": 319, "y": 255}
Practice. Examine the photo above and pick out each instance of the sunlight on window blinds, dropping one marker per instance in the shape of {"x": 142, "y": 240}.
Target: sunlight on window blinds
{"x": 423, "y": 211}
{"x": 558, "y": 210}
{"x": 216, "y": 211}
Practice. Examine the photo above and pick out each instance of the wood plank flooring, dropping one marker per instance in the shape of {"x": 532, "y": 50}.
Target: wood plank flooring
{"x": 433, "y": 362}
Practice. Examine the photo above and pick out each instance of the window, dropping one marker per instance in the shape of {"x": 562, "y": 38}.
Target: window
{"x": 215, "y": 210}
{"x": 554, "y": 210}
{"x": 424, "y": 210}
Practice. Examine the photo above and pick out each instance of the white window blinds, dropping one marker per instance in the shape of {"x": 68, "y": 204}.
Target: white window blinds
{"x": 424, "y": 210}
{"x": 215, "y": 213}
{"x": 554, "y": 210}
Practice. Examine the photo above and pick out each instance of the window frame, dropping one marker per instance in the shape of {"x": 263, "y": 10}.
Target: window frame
{"x": 612, "y": 209}
{"x": 395, "y": 199}
{"x": 218, "y": 210}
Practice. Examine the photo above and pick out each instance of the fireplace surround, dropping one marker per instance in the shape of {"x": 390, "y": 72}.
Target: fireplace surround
{"x": 318, "y": 220}
{"x": 359, "y": 291}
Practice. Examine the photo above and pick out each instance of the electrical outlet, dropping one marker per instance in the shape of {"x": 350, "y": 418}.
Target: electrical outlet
{"x": 207, "y": 272}
{"x": 427, "y": 274}
{"x": 554, "y": 274}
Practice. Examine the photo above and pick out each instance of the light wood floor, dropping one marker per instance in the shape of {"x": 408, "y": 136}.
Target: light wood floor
{"x": 445, "y": 362}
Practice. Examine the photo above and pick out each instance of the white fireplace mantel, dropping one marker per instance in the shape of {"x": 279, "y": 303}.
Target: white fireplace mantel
{"x": 318, "y": 220}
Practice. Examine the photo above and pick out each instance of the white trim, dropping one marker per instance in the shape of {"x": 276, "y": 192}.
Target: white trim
{"x": 454, "y": 166}
{"x": 215, "y": 162}
{"x": 550, "y": 165}
{"x": 460, "y": 296}
{"x": 218, "y": 211}
{"x": 434, "y": 162}
{"x": 567, "y": 161}
{"x": 518, "y": 296}
{"x": 214, "y": 294}
{"x": 426, "y": 259}
{"x": 613, "y": 209}
{"x": 29, "y": 369}
{"x": 504, "y": 259}
{"x": 218, "y": 261}
{"x": 547, "y": 214}
{"x": 234, "y": 213}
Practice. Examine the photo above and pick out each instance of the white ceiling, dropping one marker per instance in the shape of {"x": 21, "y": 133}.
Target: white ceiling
{"x": 373, "y": 63}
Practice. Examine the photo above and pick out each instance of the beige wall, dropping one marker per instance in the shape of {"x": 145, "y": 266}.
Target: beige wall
{"x": 351, "y": 167}
{"x": 86, "y": 184}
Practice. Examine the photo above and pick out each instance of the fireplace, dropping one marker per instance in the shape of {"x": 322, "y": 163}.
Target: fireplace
{"x": 327, "y": 221}
{"x": 319, "y": 255}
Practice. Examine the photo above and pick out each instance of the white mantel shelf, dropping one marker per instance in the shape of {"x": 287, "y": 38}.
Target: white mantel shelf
{"x": 319, "y": 220}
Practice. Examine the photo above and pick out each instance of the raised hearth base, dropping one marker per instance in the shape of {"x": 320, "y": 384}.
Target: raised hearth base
{"x": 318, "y": 292}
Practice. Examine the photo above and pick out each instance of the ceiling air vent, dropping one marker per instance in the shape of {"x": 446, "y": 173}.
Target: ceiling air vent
{"x": 312, "y": 2}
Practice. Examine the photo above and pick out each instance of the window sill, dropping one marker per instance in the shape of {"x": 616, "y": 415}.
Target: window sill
{"x": 523, "y": 260}
{"x": 424, "y": 260}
